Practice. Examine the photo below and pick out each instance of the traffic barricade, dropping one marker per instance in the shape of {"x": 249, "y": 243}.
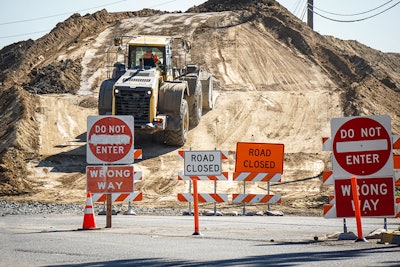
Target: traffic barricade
{"x": 258, "y": 162}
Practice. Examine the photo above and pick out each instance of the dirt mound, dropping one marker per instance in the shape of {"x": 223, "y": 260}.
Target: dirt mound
{"x": 276, "y": 80}
{"x": 58, "y": 77}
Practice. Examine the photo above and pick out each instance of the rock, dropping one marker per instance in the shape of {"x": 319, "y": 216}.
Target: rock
{"x": 254, "y": 213}
{"x": 230, "y": 213}
{"x": 211, "y": 213}
{"x": 376, "y": 234}
{"x": 347, "y": 236}
{"x": 274, "y": 213}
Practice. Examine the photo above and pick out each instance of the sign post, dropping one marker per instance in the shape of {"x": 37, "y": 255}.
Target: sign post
{"x": 357, "y": 210}
{"x": 110, "y": 140}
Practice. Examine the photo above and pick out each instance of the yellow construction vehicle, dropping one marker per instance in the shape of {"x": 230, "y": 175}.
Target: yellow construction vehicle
{"x": 156, "y": 85}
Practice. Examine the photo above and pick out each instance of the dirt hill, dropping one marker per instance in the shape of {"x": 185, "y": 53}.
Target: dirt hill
{"x": 276, "y": 81}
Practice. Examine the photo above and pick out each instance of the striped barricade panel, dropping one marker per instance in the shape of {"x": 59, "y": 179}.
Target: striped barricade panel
{"x": 256, "y": 198}
{"x": 396, "y": 162}
{"x": 137, "y": 176}
{"x": 329, "y": 211}
{"x": 328, "y": 178}
{"x": 396, "y": 141}
{"x": 224, "y": 154}
{"x": 137, "y": 154}
{"x": 332, "y": 200}
{"x": 223, "y": 177}
{"x": 326, "y": 144}
{"x": 256, "y": 177}
{"x": 203, "y": 197}
{"x": 118, "y": 197}
{"x": 397, "y": 177}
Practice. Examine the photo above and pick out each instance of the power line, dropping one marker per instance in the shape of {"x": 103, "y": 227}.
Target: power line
{"x": 304, "y": 12}
{"x": 356, "y": 20}
{"x": 354, "y": 14}
{"x": 297, "y": 7}
{"x": 22, "y": 34}
{"x": 58, "y": 15}
{"x": 52, "y": 16}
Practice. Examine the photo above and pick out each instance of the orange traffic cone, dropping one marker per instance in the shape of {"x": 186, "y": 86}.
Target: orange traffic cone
{"x": 88, "y": 219}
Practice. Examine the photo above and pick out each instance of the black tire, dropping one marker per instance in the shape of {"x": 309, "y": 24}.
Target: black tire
{"x": 178, "y": 138}
{"x": 105, "y": 97}
{"x": 207, "y": 89}
{"x": 196, "y": 110}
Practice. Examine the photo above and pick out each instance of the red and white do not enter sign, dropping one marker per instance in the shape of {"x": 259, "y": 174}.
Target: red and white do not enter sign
{"x": 110, "y": 139}
{"x": 362, "y": 146}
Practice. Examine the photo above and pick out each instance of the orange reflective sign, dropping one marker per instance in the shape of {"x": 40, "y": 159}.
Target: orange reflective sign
{"x": 259, "y": 157}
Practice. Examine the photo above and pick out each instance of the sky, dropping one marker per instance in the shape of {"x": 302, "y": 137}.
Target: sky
{"x": 26, "y": 19}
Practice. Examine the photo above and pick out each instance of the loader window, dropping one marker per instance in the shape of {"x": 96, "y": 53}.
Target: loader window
{"x": 141, "y": 52}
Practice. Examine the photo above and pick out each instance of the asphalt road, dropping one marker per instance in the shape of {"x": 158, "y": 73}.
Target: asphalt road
{"x": 51, "y": 240}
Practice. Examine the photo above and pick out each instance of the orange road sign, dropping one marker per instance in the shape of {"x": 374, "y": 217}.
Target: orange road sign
{"x": 259, "y": 157}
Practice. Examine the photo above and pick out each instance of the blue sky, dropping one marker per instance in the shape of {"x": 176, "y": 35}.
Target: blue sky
{"x": 24, "y": 19}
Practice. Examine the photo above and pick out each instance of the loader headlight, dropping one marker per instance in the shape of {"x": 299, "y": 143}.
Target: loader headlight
{"x": 116, "y": 91}
{"x": 149, "y": 92}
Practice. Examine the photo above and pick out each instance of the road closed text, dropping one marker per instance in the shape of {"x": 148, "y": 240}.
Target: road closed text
{"x": 202, "y": 163}
{"x": 259, "y": 153}
{"x": 256, "y": 157}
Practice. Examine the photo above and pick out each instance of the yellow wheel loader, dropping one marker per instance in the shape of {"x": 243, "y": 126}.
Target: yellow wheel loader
{"x": 156, "y": 86}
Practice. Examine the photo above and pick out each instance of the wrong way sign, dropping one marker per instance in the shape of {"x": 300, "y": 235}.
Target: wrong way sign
{"x": 110, "y": 179}
{"x": 110, "y": 139}
{"x": 362, "y": 146}
{"x": 376, "y": 196}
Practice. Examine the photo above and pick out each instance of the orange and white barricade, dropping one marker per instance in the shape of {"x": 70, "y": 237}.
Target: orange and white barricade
{"x": 256, "y": 198}
{"x": 256, "y": 177}
{"x": 223, "y": 177}
{"x": 203, "y": 197}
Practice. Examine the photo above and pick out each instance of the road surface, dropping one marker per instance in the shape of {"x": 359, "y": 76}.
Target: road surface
{"x": 50, "y": 240}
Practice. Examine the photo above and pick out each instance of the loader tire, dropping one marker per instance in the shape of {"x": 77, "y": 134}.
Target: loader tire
{"x": 207, "y": 89}
{"x": 178, "y": 138}
{"x": 196, "y": 109}
{"x": 105, "y": 97}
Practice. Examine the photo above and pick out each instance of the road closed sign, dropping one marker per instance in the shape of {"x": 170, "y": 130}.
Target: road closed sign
{"x": 362, "y": 146}
{"x": 110, "y": 179}
{"x": 259, "y": 157}
{"x": 202, "y": 163}
{"x": 376, "y": 197}
{"x": 110, "y": 139}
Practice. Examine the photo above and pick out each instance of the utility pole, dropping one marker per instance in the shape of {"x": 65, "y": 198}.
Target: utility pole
{"x": 310, "y": 13}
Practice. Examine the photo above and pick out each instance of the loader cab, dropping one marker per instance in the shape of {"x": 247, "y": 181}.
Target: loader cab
{"x": 137, "y": 54}
{"x": 158, "y": 46}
